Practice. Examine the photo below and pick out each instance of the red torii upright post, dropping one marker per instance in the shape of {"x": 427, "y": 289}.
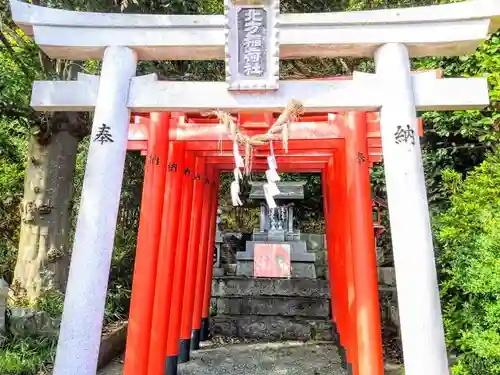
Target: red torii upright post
{"x": 166, "y": 259}
{"x": 343, "y": 250}
{"x": 148, "y": 241}
{"x": 366, "y": 327}
{"x": 332, "y": 258}
{"x": 205, "y": 313}
{"x": 203, "y": 258}
{"x": 181, "y": 266}
{"x": 192, "y": 261}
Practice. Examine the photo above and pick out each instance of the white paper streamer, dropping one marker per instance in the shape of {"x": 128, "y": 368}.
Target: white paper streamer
{"x": 237, "y": 175}
{"x": 272, "y": 175}
{"x": 269, "y": 198}
{"x": 273, "y": 189}
{"x": 235, "y": 191}
{"x": 271, "y": 160}
{"x": 238, "y": 160}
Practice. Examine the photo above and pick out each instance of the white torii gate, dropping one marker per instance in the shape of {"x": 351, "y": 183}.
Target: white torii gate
{"x": 390, "y": 36}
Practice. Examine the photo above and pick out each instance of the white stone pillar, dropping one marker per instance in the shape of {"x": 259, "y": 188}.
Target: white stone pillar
{"x": 80, "y": 334}
{"x": 418, "y": 295}
{"x": 263, "y": 218}
{"x": 290, "y": 219}
{"x": 4, "y": 294}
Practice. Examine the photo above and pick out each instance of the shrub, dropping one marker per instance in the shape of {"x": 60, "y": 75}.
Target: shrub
{"x": 27, "y": 356}
{"x": 468, "y": 239}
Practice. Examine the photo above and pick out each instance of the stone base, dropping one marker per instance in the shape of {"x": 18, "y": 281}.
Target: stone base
{"x": 271, "y": 309}
{"x": 299, "y": 270}
{"x": 314, "y": 241}
{"x": 238, "y": 287}
{"x": 271, "y": 305}
{"x": 302, "y": 261}
{"x": 298, "y": 251}
{"x": 218, "y": 272}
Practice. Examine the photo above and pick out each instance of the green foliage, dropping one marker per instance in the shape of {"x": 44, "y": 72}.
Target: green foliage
{"x": 12, "y": 143}
{"x": 15, "y": 86}
{"x": 469, "y": 258}
{"x": 460, "y": 139}
{"x": 51, "y": 302}
{"x": 27, "y": 356}
{"x": 457, "y": 140}
{"x": 122, "y": 264}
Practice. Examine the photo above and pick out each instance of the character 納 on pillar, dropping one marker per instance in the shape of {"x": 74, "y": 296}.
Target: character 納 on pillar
{"x": 424, "y": 347}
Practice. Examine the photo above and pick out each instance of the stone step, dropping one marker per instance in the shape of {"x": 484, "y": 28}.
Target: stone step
{"x": 321, "y": 258}
{"x": 271, "y": 328}
{"x": 284, "y": 306}
{"x": 277, "y": 358}
{"x": 237, "y": 286}
{"x": 322, "y": 272}
{"x": 313, "y": 241}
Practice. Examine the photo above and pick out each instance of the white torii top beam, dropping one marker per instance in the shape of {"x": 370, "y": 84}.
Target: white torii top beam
{"x": 146, "y": 94}
{"x": 451, "y": 29}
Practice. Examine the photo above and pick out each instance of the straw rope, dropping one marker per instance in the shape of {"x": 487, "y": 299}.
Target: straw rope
{"x": 291, "y": 112}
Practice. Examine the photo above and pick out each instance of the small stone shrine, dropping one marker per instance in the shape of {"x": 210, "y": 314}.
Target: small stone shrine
{"x": 276, "y": 227}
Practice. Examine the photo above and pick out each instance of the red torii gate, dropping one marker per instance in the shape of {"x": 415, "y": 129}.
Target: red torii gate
{"x": 185, "y": 154}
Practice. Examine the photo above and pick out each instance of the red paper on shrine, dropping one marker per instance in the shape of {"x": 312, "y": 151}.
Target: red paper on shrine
{"x": 271, "y": 260}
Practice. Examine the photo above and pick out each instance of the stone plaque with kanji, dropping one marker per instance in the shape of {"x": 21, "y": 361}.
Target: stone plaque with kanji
{"x": 252, "y": 44}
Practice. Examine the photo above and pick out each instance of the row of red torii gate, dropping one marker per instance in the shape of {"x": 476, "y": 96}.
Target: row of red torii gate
{"x": 171, "y": 293}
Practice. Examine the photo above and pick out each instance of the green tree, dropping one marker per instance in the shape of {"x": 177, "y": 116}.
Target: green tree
{"x": 43, "y": 255}
{"x": 469, "y": 257}
{"x": 461, "y": 139}
{"x": 52, "y": 142}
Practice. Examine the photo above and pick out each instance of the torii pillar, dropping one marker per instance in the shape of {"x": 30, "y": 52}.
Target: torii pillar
{"x": 422, "y": 329}
{"x": 81, "y": 326}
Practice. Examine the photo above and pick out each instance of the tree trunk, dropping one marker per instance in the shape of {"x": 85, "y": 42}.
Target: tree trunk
{"x": 44, "y": 255}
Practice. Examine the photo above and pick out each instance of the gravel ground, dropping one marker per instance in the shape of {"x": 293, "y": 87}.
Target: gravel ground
{"x": 284, "y": 358}
{"x": 281, "y": 358}
{"x": 114, "y": 368}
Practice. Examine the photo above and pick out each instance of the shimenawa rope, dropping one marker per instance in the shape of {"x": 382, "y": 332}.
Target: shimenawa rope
{"x": 291, "y": 112}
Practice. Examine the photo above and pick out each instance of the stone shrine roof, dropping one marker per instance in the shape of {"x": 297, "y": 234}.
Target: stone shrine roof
{"x": 290, "y": 190}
